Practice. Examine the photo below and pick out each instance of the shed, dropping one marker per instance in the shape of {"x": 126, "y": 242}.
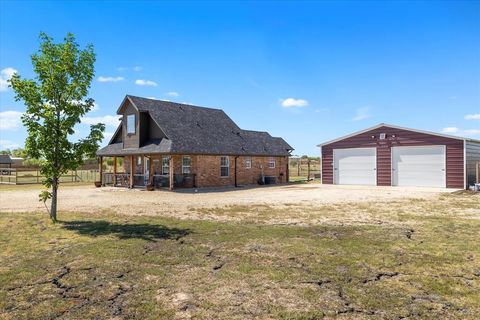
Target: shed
{"x": 5, "y": 161}
{"x": 389, "y": 155}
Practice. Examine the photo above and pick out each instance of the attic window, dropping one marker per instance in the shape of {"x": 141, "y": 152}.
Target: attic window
{"x": 131, "y": 124}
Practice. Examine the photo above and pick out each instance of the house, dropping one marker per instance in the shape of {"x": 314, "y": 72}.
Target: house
{"x": 388, "y": 155}
{"x": 169, "y": 144}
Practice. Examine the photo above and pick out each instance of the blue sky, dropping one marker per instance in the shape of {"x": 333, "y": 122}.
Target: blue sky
{"x": 305, "y": 71}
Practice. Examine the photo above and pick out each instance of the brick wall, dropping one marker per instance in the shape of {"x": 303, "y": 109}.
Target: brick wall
{"x": 207, "y": 169}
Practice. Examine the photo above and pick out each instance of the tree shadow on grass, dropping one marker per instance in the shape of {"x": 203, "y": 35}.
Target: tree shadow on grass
{"x": 145, "y": 231}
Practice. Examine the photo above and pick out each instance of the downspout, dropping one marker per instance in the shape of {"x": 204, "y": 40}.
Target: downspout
{"x": 236, "y": 157}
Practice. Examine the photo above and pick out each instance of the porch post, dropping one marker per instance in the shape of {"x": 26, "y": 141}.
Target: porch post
{"x": 150, "y": 171}
{"x": 100, "y": 169}
{"x": 114, "y": 171}
{"x": 170, "y": 173}
{"x": 131, "y": 171}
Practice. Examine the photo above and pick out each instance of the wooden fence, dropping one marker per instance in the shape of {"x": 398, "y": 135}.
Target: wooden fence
{"x": 28, "y": 176}
{"x": 304, "y": 169}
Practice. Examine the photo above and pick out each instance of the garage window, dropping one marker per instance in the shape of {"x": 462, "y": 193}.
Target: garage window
{"x": 224, "y": 166}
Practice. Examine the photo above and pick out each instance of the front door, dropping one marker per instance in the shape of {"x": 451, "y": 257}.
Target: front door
{"x": 146, "y": 170}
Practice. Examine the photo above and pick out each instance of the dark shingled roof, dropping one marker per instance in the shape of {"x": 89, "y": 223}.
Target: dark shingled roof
{"x": 5, "y": 159}
{"x": 198, "y": 130}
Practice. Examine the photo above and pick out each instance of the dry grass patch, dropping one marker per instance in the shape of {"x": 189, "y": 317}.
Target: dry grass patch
{"x": 406, "y": 259}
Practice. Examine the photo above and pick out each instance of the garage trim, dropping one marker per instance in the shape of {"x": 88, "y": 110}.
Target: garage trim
{"x": 364, "y": 148}
{"x": 444, "y": 148}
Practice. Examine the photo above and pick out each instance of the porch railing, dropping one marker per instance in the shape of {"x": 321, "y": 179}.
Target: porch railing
{"x": 141, "y": 180}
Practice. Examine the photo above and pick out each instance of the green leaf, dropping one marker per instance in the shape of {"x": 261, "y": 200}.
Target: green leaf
{"x": 56, "y": 100}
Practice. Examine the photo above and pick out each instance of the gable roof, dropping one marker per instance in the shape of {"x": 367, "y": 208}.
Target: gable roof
{"x": 5, "y": 159}
{"x": 396, "y": 127}
{"x": 199, "y": 130}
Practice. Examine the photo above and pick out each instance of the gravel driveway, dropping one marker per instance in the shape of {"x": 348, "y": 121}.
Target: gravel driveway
{"x": 137, "y": 201}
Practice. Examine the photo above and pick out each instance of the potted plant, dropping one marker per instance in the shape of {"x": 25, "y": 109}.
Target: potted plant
{"x": 150, "y": 187}
{"x": 98, "y": 184}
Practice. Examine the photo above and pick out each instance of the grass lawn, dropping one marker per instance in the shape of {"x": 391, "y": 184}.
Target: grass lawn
{"x": 102, "y": 265}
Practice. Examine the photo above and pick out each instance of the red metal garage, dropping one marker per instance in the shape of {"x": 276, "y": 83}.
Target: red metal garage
{"x": 387, "y": 155}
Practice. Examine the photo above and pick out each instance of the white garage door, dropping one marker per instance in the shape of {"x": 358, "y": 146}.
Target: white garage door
{"x": 355, "y": 166}
{"x": 419, "y": 166}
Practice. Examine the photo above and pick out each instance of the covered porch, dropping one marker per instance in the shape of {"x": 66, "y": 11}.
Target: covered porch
{"x": 158, "y": 171}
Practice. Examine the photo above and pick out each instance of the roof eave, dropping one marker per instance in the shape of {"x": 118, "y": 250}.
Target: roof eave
{"x": 395, "y": 127}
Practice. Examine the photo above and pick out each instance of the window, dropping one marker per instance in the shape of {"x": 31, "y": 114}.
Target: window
{"x": 248, "y": 163}
{"x": 186, "y": 161}
{"x": 271, "y": 163}
{"x": 165, "y": 165}
{"x": 224, "y": 166}
{"x": 139, "y": 160}
{"x": 130, "y": 123}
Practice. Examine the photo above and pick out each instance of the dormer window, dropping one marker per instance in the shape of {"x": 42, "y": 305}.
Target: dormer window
{"x": 131, "y": 124}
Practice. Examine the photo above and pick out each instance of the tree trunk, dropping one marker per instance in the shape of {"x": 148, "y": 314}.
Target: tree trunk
{"x": 53, "y": 210}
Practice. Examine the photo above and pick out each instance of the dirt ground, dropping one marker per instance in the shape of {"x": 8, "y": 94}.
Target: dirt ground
{"x": 183, "y": 203}
{"x": 305, "y": 251}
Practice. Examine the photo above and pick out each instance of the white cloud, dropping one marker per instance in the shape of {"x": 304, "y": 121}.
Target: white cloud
{"x": 293, "y": 103}
{"x": 450, "y": 130}
{"x": 460, "y": 132}
{"x": 475, "y": 116}
{"x": 107, "y": 135}
{"x": 152, "y": 98}
{"x": 362, "y": 113}
{"x": 95, "y": 106}
{"x": 135, "y": 68}
{"x": 10, "y": 120}
{"x": 108, "y": 120}
{"x": 8, "y": 144}
{"x": 5, "y": 75}
{"x": 110, "y": 79}
{"x": 141, "y": 82}
{"x": 172, "y": 94}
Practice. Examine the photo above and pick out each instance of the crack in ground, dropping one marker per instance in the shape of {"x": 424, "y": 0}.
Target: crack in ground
{"x": 219, "y": 260}
{"x": 409, "y": 233}
{"x": 118, "y": 307}
{"x": 381, "y": 276}
{"x": 319, "y": 283}
{"x": 349, "y": 308}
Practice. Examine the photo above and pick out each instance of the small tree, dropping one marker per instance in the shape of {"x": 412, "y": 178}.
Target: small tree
{"x": 55, "y": 102}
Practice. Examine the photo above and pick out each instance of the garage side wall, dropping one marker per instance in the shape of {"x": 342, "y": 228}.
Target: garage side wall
{"x": 454, "y": 153}
{"x": 472, "y": 152}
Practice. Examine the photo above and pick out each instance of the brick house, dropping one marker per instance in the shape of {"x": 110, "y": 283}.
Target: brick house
{"x": 167, "y": 145}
